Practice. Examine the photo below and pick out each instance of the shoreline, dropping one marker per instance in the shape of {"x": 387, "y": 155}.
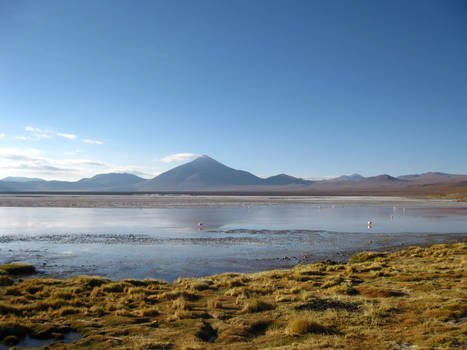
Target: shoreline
{"x": 57, "y": 266}
{"x": 91, "y": 200}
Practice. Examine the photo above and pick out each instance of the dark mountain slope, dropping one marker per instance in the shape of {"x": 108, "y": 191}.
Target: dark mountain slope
{"x": 110, "y": 180}
{"x": 284, "y": 179}
{"x": 353, "y": 177}
{"x": 201, "y": 172}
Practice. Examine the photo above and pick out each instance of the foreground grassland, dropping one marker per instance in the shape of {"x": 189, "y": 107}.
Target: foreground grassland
{"x": 410, "y": 299}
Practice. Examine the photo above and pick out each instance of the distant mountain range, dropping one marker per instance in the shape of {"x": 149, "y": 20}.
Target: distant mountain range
{"x": 353, "y": 177}
{"x": 98, "y": 183}
{"x": 20, "y": 179}
{"x": 205, "y": 174}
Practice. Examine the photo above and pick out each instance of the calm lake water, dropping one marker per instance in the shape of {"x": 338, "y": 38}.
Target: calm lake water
{"x": 168, "y": 242}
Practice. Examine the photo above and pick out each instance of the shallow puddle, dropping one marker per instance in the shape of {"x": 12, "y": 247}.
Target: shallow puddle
{"x": 32, "y": 343}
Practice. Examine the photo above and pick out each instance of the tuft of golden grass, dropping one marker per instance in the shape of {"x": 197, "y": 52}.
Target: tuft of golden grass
{"x": 366, "y": 256}
{"x": 5, "y": 281}
{"x": 17, "y": 269}
{"x": 257, "y": 305}
{"x": 149, "y": 311}
{"x": 303, "y": 324}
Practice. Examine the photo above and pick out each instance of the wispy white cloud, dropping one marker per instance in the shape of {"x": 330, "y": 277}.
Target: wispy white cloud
{"x": 28, "y": 159}
{"x": 31, "y": 162}
{"x": 85, "y": 162}
{"x": 7, "y": 151}
{"x": 2, "y": 135}
{"x": 135, "y": 170}
{"x": 179, "y": 157}
{"x": 92, "y": 142}
{"x": 31, "y": 129}
{"x": 67, "y": 136}
{"x": 34, "y": 134}
{"x": 34, "y": 137}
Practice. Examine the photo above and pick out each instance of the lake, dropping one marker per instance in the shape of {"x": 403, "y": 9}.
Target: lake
{"x": 166, "y": 243}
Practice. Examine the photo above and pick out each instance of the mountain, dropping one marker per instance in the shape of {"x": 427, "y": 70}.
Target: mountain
{"x": 284, "y": 179}
{"x": 20, "y": 179}
{"x": 353, "y": 177}
{"x": 207, "y": 174}
{"x": 433, "y": 178}
{"x": 384, "y": 178}
{"x": 111, "y": 180}
{"x": 101, "y": 182}
{"x": 200, "y": 173}
{"x": 431, "y": 173}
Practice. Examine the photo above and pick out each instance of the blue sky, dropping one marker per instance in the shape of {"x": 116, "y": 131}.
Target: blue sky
{"x": 311, "y": 88}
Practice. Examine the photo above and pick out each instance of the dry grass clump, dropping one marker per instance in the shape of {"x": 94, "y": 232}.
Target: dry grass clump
{"x": 365, "y": 256}
{"x": 175, "y": 294}
{"x": 201, "y": 285}
{"x": 377, "y": 301}
{"x": 379, "y": 292}
{"x": 214, "y": 304}
{"x": 303, "y": 324}
{"x": 344, "y": 290}
{"x": 145, "y": 344}
{"x": 88, "y": 282}
{"x": 180, "y": 304}
{"x": 5, "y": 281}
{"x": 64, "y": 311}
{"x": 149, "y": 311}
{"x": 257, "y": 305}
{"x": 18, "y": 269}
{"x": 333, "y": 281}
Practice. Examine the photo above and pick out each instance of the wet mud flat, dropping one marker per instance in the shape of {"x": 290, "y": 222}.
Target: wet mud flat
{"x": 120, "y": 256}
{"x": 201, "y": 240}
{"x": 170, "y": 200}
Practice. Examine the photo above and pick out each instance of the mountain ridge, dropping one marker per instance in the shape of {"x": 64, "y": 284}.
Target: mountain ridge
{"x": 201, "y": 172}
{"x": 205, "y": 174}
{"x": 20, "y": 179}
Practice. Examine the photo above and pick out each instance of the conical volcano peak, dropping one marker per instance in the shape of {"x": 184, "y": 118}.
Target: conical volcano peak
{"x": 205, "y": 157}
{"x": 203, "y": 171}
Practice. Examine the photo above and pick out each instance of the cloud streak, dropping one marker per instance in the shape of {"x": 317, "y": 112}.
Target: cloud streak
{"x": 29, "y": 161}
{"x": 179, "y": 157}
{"x": 31, "y": 129}
{"x": 84, "y": 162}
{"x": 35, "y": 134}
{"x": 135, "y": 170}
{"x": 92, "y": 142}
{"x": 67, "y": 136}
